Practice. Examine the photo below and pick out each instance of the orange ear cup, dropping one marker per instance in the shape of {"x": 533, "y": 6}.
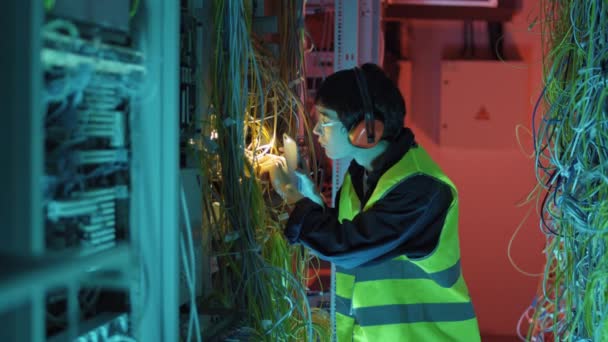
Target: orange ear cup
{"x": 358, "y": 134}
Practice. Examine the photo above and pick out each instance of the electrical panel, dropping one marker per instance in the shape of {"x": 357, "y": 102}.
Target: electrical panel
{"x": 90, "y": 89}
{"x": 95, "y": 150}
{"x": 87, "y": 136}
{"x": 474, "y": 112}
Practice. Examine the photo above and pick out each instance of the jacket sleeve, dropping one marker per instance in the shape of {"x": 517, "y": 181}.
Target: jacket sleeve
{"x": 407, "y": 220}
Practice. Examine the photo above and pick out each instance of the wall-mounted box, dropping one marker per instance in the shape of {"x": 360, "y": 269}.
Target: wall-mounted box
{"x": 481, "y": 102}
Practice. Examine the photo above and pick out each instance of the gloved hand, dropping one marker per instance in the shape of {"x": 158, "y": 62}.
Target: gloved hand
{"x": 307, "y": 188}
{"x": 282, "y": 183}
{"x": 291, "y": 188}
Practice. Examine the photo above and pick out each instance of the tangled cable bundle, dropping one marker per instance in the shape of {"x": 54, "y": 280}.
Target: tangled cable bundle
{"x": 253, "y": 103}
{"x": 571, "y": 149}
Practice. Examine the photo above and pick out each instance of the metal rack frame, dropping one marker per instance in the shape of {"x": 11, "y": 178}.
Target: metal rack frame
{"x": 154, "y": 174}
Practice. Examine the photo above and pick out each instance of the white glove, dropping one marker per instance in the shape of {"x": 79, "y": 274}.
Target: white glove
{"x": 307, "y": 188}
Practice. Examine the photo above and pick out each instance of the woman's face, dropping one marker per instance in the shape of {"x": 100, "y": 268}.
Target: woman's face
{"x": 333, "y": 136}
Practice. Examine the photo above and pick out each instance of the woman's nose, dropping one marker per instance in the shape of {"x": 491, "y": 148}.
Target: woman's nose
{"x": 317, "y": 129}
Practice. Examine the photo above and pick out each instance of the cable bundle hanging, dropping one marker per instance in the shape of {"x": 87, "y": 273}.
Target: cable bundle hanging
{"x": 572, "y": 168}
{"x": 260, "y": 279}
{"x": 292, "y": 71}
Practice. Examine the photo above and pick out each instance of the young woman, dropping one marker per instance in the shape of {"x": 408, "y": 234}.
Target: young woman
{"x": 393, "y": 234}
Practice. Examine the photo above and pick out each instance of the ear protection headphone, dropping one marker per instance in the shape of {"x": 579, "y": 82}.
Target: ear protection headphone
{"x": 367, "y": 133}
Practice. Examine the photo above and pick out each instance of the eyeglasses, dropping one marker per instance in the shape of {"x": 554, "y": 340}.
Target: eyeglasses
{"x": 321, "y": 124}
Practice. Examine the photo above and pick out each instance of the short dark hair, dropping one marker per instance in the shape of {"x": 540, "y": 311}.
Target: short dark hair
{"x": 340, "y": 92}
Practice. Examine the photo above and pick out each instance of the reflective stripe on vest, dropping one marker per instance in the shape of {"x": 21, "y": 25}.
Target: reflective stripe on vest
{"x": 405, "y": 299}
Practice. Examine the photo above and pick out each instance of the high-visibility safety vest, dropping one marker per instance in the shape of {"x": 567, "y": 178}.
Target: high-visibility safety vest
{"x": 403, "y": 299}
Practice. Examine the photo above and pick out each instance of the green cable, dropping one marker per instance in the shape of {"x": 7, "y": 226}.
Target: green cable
{"x": 134, "y": 8}
{"x": 49, "y": 5}
{"x": 237, "y": 84}
{"x": 572, "y": 137}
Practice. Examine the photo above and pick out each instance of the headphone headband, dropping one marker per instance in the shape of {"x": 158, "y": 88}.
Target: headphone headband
{"x": 368, "y": 109}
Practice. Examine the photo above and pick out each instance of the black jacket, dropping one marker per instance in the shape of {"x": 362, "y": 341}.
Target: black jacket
{"x": 407, "y": 220}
